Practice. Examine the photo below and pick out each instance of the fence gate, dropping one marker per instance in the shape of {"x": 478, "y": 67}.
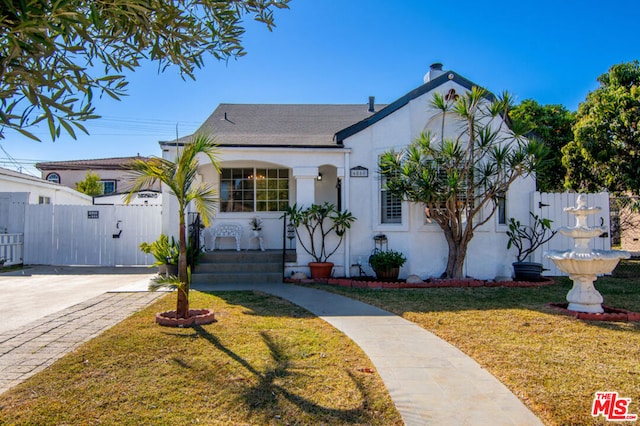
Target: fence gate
{"x": 89, "y": 235}
{"x": 552, "y": 205}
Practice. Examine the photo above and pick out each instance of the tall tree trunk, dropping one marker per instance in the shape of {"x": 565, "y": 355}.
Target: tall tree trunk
{"x": 458, "y": 266}
{"x": 456, "y": 257}
{"x": 451, "y": 257}
{"x": 182, "y": 307}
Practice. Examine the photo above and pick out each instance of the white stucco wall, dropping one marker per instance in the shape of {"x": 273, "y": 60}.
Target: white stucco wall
{"x": 146, "y": 198}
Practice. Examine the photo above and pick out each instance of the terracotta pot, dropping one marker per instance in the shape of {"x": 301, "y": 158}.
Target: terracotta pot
{"x": 388, "y": 274}
{"x": 320, "y": 269}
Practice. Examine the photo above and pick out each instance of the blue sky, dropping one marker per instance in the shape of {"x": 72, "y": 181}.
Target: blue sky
{"x": 343, "y": 51}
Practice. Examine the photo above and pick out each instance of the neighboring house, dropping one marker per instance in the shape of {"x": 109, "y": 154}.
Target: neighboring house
{"x": 146, "y": 198}
{"x": 112, "y": 171}
{"x": 34, "y": 190}
{"x": 272, "y": 156}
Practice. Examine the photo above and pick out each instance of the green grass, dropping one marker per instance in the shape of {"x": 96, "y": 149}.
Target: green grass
{"x": 552, "y": 362}
{"x": 265, "y": 362}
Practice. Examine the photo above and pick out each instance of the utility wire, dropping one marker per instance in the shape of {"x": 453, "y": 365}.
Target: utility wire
{"x": 20, "y": 167}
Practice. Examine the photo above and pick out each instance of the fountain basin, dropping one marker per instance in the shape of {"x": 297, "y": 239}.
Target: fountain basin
{"x": 593, "y": 262}
{"x": 582, "y": 232}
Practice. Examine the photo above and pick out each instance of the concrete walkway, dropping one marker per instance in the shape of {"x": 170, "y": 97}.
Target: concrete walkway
{"x": 430, "y": 381}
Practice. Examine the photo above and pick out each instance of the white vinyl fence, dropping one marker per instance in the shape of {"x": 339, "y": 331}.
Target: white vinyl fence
{"x": 11, "y": 249}
{"x": 552, "y": 205}
{"x": 89, "y": 235}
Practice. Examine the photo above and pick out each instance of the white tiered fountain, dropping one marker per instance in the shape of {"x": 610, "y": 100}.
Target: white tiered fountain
{"x": 582, "y": 263}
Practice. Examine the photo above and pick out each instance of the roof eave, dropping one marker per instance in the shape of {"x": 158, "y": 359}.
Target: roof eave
{"x": 401, "y": 102}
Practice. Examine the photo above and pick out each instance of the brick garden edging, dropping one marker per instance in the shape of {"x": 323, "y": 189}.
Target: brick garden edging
{"x": 436, "y": 283}
{"x": 609, "y": 314}
{"x": 196, "y": 317}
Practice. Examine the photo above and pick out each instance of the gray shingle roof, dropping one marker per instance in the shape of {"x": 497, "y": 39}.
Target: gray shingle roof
{"x": 280, "y": 124}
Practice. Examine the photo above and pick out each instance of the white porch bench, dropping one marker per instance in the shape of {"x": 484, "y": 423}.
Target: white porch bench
{"x": 223, "y": 230}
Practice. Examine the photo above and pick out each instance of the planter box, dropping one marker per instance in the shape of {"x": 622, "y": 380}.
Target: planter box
{"x": 527, "y": 271}
{"x": 389, "y": 274}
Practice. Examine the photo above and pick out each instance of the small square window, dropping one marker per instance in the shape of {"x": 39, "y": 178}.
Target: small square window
{"x": 108, "y": 186}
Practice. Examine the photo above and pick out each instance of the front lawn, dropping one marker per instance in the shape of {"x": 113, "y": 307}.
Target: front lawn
{"x": 265, "y": 362}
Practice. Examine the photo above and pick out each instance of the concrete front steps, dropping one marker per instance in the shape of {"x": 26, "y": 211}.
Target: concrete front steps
{"x": 239, "y": 267}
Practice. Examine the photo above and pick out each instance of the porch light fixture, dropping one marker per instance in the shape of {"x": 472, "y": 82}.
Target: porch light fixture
{"x": 319, "y": 177}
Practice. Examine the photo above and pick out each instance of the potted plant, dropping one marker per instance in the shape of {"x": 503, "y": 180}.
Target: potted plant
{"x": 317, "y": 222}
{"x": 387, "y": 264}
{"x": 165, "y": 252}
{"x": 527, "y": 239}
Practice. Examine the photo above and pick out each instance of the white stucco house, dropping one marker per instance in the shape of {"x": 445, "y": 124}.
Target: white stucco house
{"x": 39, "y": 191}
{"x": 272, "y": 156}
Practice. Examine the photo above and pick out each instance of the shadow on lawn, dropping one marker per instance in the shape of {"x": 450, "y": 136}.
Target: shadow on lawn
{"x": 261, "y": 304}
{"x": 263, "y": 396}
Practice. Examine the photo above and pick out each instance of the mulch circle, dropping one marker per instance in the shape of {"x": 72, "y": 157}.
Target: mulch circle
{"x": 196, "y": 317}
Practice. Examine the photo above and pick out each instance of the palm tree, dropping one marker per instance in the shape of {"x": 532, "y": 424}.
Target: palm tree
{"x": 180, "y": 177}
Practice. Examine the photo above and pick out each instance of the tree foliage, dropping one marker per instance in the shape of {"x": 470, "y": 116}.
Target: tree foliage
{"x": 552, "y": 125}
{"x": 90, "y": 185}
{"x": 457, "y": 174}
{"x": 181, "y": 179}
{"x": 605, "y": 153}
{"x": 55, "y": 56}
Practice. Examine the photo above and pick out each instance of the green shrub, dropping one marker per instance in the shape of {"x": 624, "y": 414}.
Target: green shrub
{"x": 164, "y": 251}
{"x": 385, "y": 260}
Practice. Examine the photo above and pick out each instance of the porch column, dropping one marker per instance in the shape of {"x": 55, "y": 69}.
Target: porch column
{"x": 305, "y": 185}
{"x": 344, "y": 195}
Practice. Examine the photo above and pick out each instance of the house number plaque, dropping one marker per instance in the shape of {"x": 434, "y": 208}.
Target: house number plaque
{"x": 93, "y": 214}
{"x": 359, "y": 171}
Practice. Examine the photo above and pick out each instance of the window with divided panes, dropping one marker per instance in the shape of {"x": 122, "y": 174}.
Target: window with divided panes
{"x": 250, "y": 189}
